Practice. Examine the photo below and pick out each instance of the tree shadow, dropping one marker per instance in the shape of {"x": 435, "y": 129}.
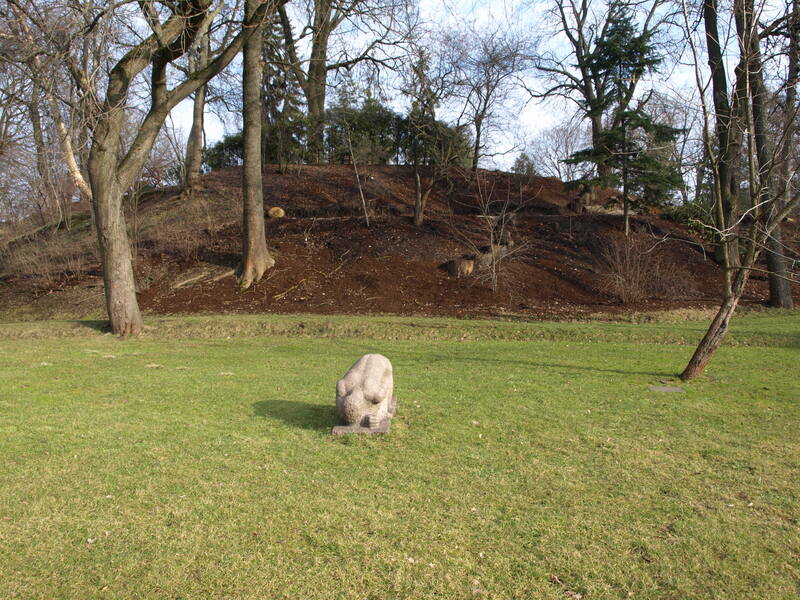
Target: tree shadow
{"x": 543, "y": 366}
{"x": 315, "y": 417}
{"x": 221, "y": 259}
{"x": 96, "y": 325}
{"x": 466, "y": 355}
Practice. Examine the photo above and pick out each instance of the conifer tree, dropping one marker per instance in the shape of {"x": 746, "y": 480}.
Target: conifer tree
{"x": 283, "y": 130}
{"x": 625, "y": 153}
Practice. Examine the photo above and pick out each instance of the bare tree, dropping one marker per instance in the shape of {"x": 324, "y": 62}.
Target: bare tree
{"x": 256, "y": 259}
{"x": 770, "y": 198}
{"x": 489, "y": 63}
{"x": 780, "y": 291}
{"x": 548, "y": 150}
{"x": 570, "y": 69}
{"x": 330, "y": 29}
{"x": 198, "y": 57}
{"x": 52, "y": 31}
{"x": 490, "y": 234}
{"x": 433, "y": 147}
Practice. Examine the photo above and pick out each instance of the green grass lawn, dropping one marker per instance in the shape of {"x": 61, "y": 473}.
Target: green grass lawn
{"x": 527, "y": 460}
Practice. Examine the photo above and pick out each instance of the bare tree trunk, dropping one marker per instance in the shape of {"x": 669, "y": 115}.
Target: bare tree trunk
{"x": 38, "y": 135}
{"x": 476, "y": 151}
{"x": 41, "y": 155}
{"x": 727, "y": 249}
{"x": 596, "y": 121}
{"x": 256, "y": 259}
{"x": 315, "y": 89}
{"x": 712, "y": 339}
{"x": 421, "y": 199}
{"x": 626, "y": 205}
{"x": 780, "y": 291}
{"x": 198, "y": 59}
{"x": 194, "y": 147}
{"x": 112, "y": 235}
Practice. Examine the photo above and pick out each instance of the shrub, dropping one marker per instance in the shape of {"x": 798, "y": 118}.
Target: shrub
{"x": 634, "y": 268}
{"x": 626, "y": 267}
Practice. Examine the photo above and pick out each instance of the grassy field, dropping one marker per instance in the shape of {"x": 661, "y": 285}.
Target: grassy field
{"x": 527, "y": 460}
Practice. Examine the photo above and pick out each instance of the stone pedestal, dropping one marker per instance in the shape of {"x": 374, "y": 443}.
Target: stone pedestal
{"x": 381, "y": 427}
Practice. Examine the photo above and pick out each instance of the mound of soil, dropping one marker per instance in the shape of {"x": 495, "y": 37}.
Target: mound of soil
{"x": 556, "y": 262}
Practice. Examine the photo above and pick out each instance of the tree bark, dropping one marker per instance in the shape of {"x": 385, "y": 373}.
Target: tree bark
{"x": 194, "y": 147}
{"x": 422, "y": 198}
{"x": 712, "y": 339}
{"x": 727, "y": 248}
{"x": 256, "y": 259}
{"x": 476, "y": 151}
{"x": 112, "y": 235}
{"x": 41, "y": 154}
{"x": 780, "y": 291}
{"x": 316, "y": 87}
{"x": 596, "y": 121}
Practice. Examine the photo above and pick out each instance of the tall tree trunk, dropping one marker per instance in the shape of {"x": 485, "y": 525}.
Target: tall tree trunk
{"x": 41, "y": 152}
{"x": 727, "y": 250}
{"x": 256, "y": 259}
{"x": 112, "y": 235}
{"x": 194, "y": 147}
{"x": 476, "y": 149}
{"x": 626, "y": 205}
{"x": 596, "y": 121}
{"x": 780, "y": 291}
{"x": 315, "y": 90}
{"x": 422, "y": 197}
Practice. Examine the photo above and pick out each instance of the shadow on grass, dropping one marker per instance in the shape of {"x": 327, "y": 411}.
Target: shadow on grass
{"x": 463, "y": 355}
{"x": 95, "y": 325}
{"x": 297, "y": 414}
{"x": 564, "y": 367}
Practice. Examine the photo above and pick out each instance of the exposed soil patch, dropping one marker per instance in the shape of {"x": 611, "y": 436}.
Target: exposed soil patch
{"x": 330, "y": 262}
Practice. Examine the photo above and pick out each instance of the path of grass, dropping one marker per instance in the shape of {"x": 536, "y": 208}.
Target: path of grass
{"x": 185, "y": 465}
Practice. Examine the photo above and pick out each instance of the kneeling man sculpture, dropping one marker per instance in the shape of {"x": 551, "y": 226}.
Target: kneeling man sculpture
{"x": 364, "y": 399}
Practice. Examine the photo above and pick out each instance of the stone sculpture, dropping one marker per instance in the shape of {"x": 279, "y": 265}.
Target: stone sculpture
{"x": 364, "y": 396}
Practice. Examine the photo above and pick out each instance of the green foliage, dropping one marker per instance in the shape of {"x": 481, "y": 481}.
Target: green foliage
{"x": 228, "y": 152}
{"x": 693, "y": 215}
{"x": 621, "y": 56}
{"x": 527, "y": 460}
{"x": 429, "y": 142}
{"x": 628, "y": 153}
{"x": 381, "y": 136}
{"x": 523, "y": 165}
{"x": 283, "y": 120}
{"x": 371, "y": 129}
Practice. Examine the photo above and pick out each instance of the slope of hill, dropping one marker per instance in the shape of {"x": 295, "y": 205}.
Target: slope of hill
{"x": 559, "y": 262}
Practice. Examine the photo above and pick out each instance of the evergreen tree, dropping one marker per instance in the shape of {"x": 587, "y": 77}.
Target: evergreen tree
{"x": 284, "y": 123}
{"x": 627, "y": 152}
{"x": 524, "y": 165}
{"x": 369, "y": 132}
